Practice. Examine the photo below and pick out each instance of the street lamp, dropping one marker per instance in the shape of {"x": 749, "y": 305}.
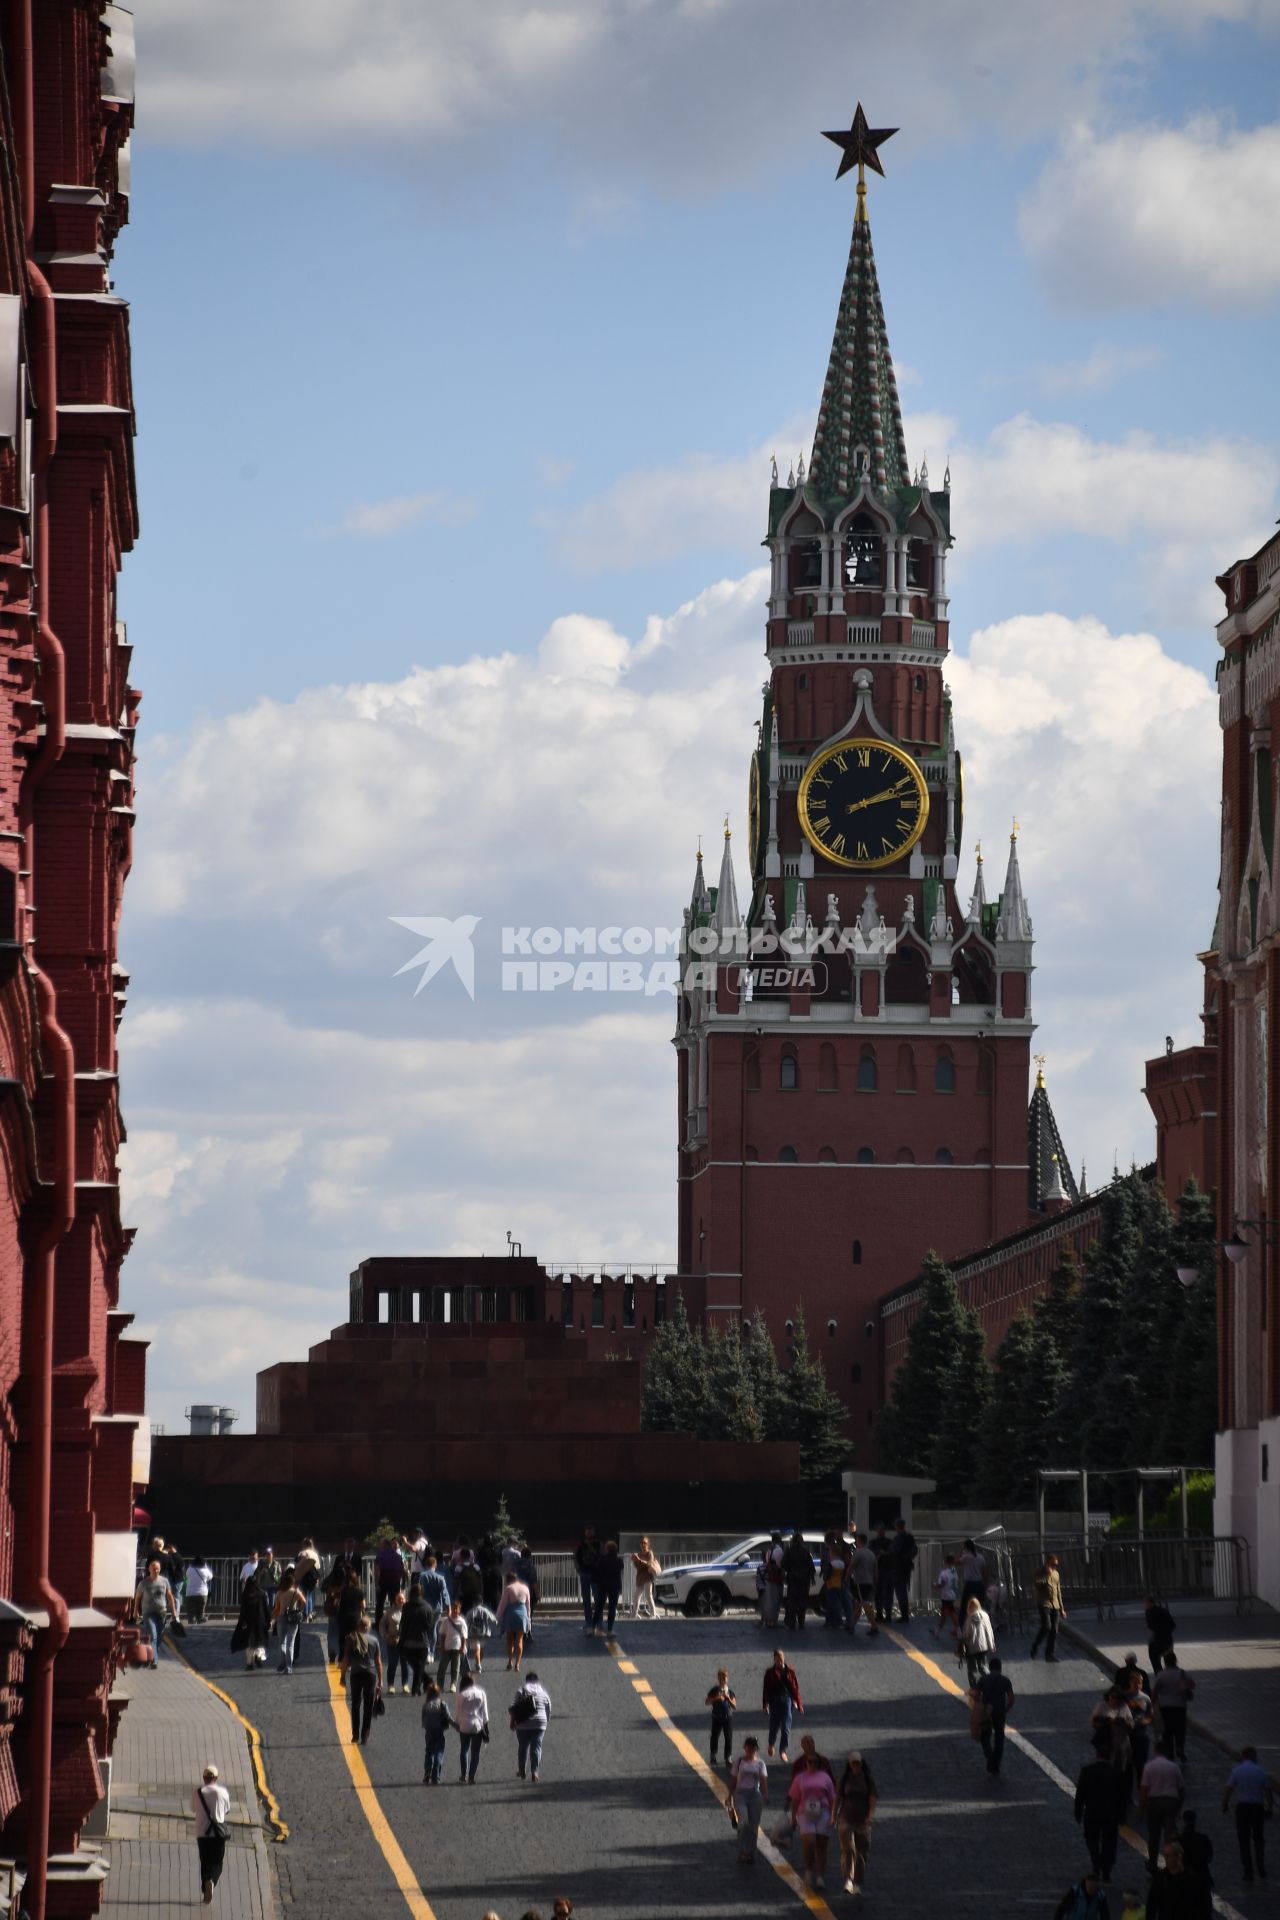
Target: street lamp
{"x": 1268, "y": 1232}
{"x": 1235, "y": 1249}
{"x": 1187, "y": 1276}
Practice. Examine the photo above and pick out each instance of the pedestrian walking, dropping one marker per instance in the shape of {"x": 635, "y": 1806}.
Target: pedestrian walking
{"x": 308, "y": 1570}
{"x": 993, "y": 1698}
{"x": 797, "y": 1573}
{"x": 1197, "y": 1847}
{"x": 1086, "y": 1899}
{"x": 388, "y": 1574}
{"x": 513, "y": 1619}
{"x": 1250, "y": 1785}
{"x": 770, "y": 1581}
{"x": 1101, "y": 1803}
{"x": 200, "y": 1578}
{"x": 361, "y": 1664}
{"x": 811, "y": 1798}
{"x": 527, "y": 1569}
{"x": 435, "y": 1591}
{"x": 1172, "y": 1691}
{"x": 436, "y": 1722}
{"x": 335, "y": 1585}
{"x": 530, "y": 1713}
{"x": 249, "y": 1570}
{"x": 1048, "y": 1591}
{"x": 608, "y": 1589}
{"x": 882, "y": 1547}
{"x": 269, "y": 1571}
{"x": 1161, "y": 1627}
{"x": 977, "y": 1640}
{"x": 902, "y": 1558}
{"x": 472, "y": 1709}
{"x": 947, "y": 1588}
{"x": 482, "y": 1624}
{"x": 781, "y": 1699}
{"x": 647, "y": 1568}
{"x": 211, "y": 1804}
{"x": 451, "y": 1646}
{"x": 1161, "y": 1791}
{"x": 972, "y": 1569}
{"x": 1177, "y": 1893}
{"x": 350, "y": 1605}
{"x": 834, "y": 1574}
{"x": 862, "y": 1584}
{"x": 253, "y": 1626}
{"x": 415, "y": 1631}
{"x": 491, "y": 1558}
{"x": 723, "y": 1702}
{"x": 389, "y": 1635}
{"x": 1142, "y": 1714}
{"x": 287, "y": 1615}
{"x": 855, "y": 1810}
{"x": 586, "y": 1558}
{"x": 153, "y": 1605}
{"x": 749, "y": 1790}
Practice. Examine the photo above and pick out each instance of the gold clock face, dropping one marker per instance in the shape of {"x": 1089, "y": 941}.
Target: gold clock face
{"x": 753, "y": 811}
{"x": 863, "y": 803}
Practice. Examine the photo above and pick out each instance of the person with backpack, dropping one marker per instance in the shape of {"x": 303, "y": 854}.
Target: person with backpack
{"x": 1085, "y": 1900}
{"x": 415, "y": 1632}
{"x": 435, "y": 1592}
{"x": 362, "y": 1661}
{"x": 388, "y": 1570}
{"x": 288, "y": 1614}
{"x": 530, "y": 1714}
{"x": 253, "y": 1627}
{"x": 211, "y": 1804}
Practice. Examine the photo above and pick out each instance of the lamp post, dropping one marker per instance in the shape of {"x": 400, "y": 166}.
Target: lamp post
{"x": 1268, "y": 1232}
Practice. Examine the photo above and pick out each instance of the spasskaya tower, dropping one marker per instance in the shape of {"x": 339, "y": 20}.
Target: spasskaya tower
{"x": 867, "y": 1100}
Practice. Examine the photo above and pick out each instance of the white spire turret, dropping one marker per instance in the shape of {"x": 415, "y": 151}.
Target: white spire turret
{"x": 728, "y": 915}
{"x": 978, "y": 899}
{"x": 1014, "y": 923}
{"x": 700, "y": 899}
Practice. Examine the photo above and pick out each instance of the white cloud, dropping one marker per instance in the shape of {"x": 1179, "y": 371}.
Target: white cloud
{"x": 1103, "y": 366}
{"x": 320, "y": 1113}
{"x": 688, "y": 93}
{"x": 1184, "y": 215}
{"x": 380, "y": 517}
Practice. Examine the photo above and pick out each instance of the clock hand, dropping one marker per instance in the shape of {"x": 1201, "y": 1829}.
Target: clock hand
{"x": 888, "y": 794}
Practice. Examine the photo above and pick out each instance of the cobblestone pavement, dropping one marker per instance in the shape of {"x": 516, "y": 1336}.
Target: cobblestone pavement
{"x": 623, "y": 1824}
{"x": 1233, "y": 1658}
{"x": 172, "y": 1729}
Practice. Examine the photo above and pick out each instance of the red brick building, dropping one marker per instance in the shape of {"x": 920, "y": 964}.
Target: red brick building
{"x": 1244, "y": 1003}
{"x": 840, "y": 1116}
{"x": 72, "y": 1441}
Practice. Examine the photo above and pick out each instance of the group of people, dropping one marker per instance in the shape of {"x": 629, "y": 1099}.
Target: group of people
{"x": 858, "y": 1577}
{"x": 601, "y": 1573}
{"x": 819, "y": 1799}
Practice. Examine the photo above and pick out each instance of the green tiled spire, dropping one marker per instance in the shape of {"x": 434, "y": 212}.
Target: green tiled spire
{"x": 860, "y": 405}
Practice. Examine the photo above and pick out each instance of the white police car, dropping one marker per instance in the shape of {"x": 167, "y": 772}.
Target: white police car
{"x": 729, "y": 1580}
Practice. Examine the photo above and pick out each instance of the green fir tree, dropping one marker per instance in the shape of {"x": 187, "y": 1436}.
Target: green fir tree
{"x": 1007, "y": 1475}
{"x": 907, "y": 1430}
{"x": 768, "y": 1384}
{"x": 814, "y": 1415}
{"x": 729, "y": 1412}
{"x": 674, "y": 1397}
{"x": 958, "y": 1452}
{"x": 1189, "y": 1397}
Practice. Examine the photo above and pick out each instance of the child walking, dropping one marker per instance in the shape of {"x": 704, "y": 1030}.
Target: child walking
{"x": 723, "y": 1703}
{"x": 436, "y": 1722}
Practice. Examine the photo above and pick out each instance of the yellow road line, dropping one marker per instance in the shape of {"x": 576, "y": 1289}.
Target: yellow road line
{"x": 1033, "y": 1753}
{"x": 255, "y": 1748}
{"x": 401, "y": 1872}
{"x": 809, "y": 1896}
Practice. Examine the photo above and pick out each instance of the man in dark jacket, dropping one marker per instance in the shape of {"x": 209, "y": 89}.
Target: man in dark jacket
{"x": 586, "y": 1557}
{"x": 608, "y": 1588}
{"x": 882, "y": 1547}
{"x": 797, "y": 1573}
{"x": 1102, "y": 1800}
{"x": 1160, "y": 1630}
{"x": 902, "y": 1554}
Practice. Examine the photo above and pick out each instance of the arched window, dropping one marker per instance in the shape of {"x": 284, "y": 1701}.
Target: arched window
{"x": 944, "y": 1072}
{"x": 826, "y": 1155}
{"x": 806, "y": 564}
{"x": 828, "y": 1068}
{"x": 867, "y": 1080}
{"x": 857, "y": 1253}
{"x": 787, "y": 1153}
{"x": 863, "y": 553}
{"x": 865, "y": 1156}
{"x": 906, "y": 1068}
{"x": 905, "y": 1157}
{"x": 919, "y": 567}
{"x": 945, "y": 1157}
{"x": 789, "y": 1071}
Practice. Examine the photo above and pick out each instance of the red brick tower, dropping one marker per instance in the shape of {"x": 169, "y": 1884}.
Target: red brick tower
{"x": 834, "y": 1127}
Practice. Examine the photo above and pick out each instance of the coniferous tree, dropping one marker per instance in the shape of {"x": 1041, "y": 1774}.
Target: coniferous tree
{"x": 907, "y": 1430}
{"x": 1009, "y": 1437}
{"x": 814, "y": 1415}
{"x": 768, "y": 1386}
{"x": 1189, "y": 1396}
{"x": 674, "y": 1397}
{"x": 1104, "y": 1411}
{"x": 729, "y": 1412}
{"x": 958, "y": 1452}
{"x": 1055, "y": 1317}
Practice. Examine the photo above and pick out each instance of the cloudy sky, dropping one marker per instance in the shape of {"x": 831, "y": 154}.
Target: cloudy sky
{"x": 462, "y": 339}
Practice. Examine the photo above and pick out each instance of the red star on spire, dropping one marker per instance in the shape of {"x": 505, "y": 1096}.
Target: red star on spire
{"x": 858, "y": 145}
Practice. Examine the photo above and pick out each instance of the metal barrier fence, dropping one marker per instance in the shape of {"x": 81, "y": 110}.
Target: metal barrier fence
{"x": 1104, "y": 1574}
{"x": 557, "y": 1583}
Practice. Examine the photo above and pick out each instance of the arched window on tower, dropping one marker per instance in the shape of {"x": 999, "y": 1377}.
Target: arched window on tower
{"x": 789, "y": 1071}
{"x": 944, "y": 1157}
{"x": 906, "y": 1068}
{"x": 828, "y": 1068}
{"x": 944, "y": 1072}
{"x": 865, "y": 1156}
{"x": 905, "y": 1157}
{"x": 863, "y": 553}
{"x": 788, "y": 1153}
{"x": 919, "y": 565}
{"x": 826, "y": 1155}
{"x": 867, "y": 1078}
{"x": 806, "y": 564}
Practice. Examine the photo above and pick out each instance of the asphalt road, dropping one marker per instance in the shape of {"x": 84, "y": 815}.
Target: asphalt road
{"x": 623, "y": 1824}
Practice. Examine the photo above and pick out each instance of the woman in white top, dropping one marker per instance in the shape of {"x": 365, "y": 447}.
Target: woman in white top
{"x": 211, "y": 1804}
{"x": 472, "y": 1711}
{"x": 199, "y": 1581}
{"x": 977, "y": 1640}
{"x": 750, "y": 1779}
{"x": 648, "y": 1567}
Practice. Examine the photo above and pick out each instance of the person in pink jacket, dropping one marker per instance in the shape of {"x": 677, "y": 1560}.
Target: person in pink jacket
{"x": 811, "y": 1799}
